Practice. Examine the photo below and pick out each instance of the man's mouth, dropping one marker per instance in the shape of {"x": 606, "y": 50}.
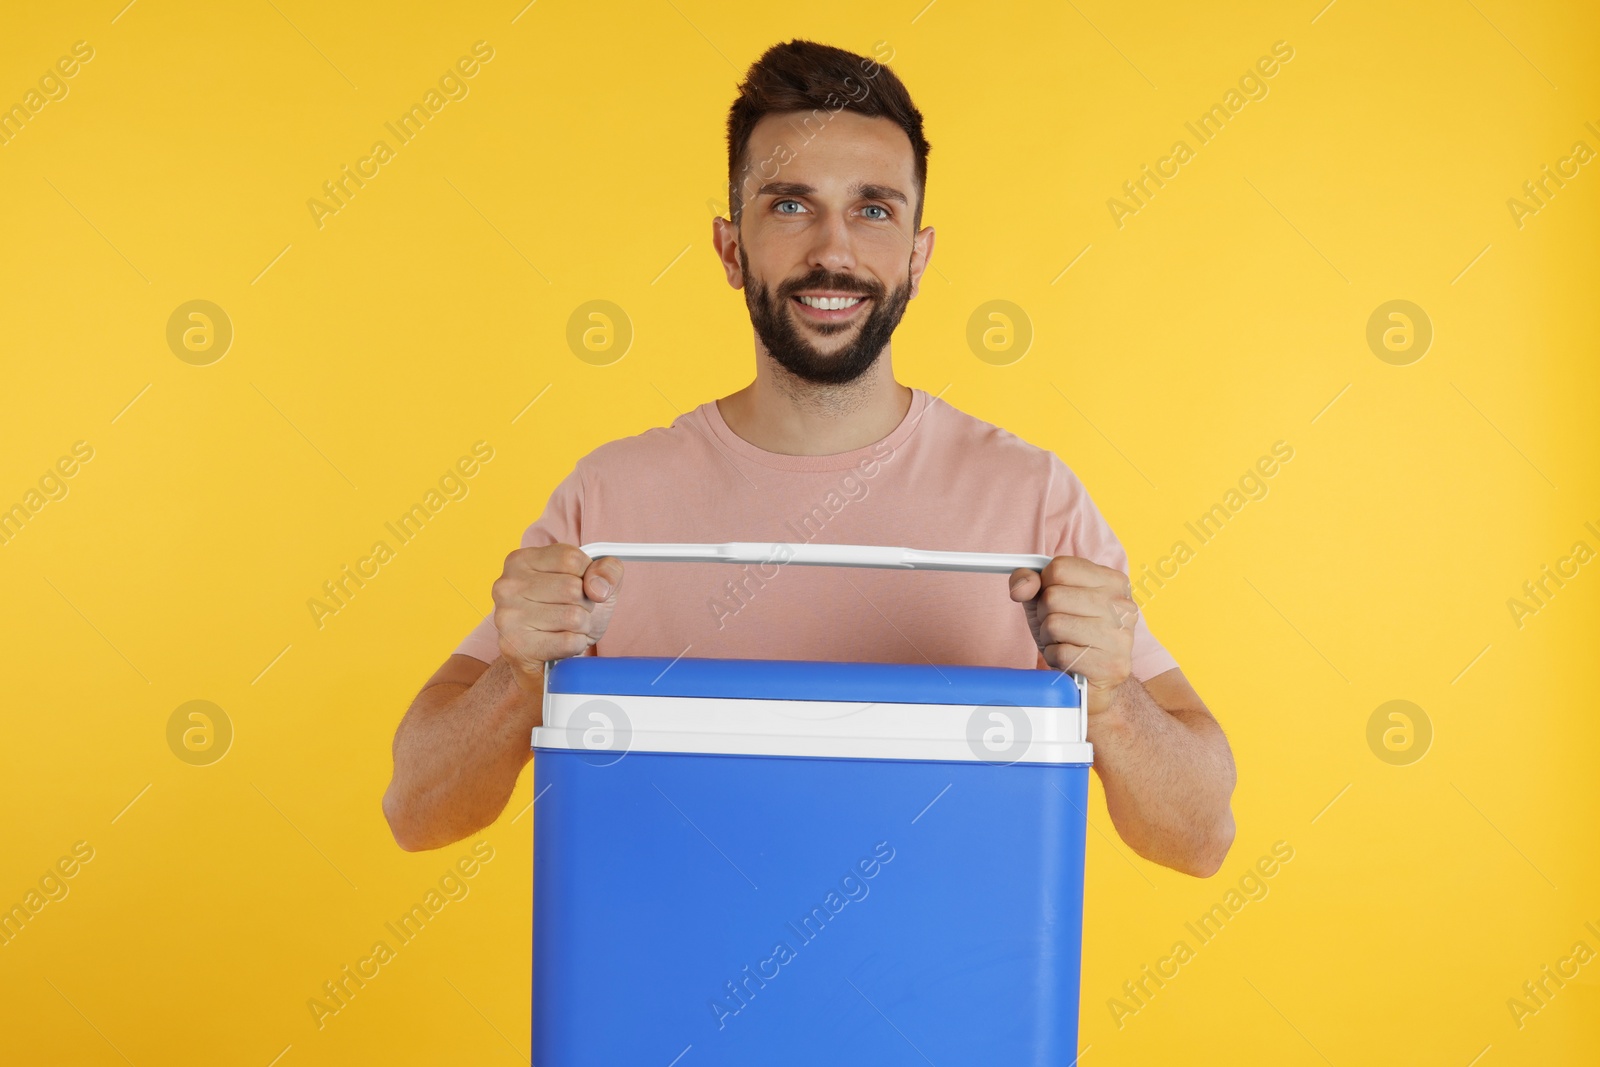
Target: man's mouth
{"x": 829, "y": 308}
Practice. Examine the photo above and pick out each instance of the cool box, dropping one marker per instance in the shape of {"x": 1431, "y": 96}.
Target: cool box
{"x": 787, "y": 862}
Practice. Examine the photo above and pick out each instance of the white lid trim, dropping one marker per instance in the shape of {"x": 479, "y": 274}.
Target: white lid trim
{"x": 610, "y": 724}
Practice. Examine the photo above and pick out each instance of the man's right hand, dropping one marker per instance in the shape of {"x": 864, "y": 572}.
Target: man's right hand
{"x": 551, "y": 603}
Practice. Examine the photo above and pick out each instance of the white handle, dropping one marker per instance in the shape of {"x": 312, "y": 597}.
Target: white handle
{"x": 831, "y": 556}
{"x": 913, "y": 559}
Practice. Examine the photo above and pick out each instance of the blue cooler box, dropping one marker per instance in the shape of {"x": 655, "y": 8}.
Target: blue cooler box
{"x": 774, "y": 862}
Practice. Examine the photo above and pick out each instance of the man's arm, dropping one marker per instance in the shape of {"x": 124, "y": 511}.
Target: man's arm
{"x": 1166, "y": 767}
{"x": 466, "y": 737}
{"x": 1168, "y": 773}
{"x": 458, "y": 753}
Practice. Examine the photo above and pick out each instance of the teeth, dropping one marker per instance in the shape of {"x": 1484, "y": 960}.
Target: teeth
{"x": 830, "y": 303}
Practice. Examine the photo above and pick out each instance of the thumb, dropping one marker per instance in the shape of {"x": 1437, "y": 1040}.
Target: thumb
{"x": 1024, "y": 584}
{"x": 603, "y": 577}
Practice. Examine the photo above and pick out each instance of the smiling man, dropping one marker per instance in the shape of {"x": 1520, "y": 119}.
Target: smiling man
{"x": 827, "y": 168}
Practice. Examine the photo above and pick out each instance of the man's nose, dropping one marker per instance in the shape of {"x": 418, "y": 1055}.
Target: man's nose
{"x": 832, "y": 248}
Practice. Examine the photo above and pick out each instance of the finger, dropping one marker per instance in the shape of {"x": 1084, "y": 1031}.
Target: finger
{"x": 538, "y": 625}
{"x": 602, "y": 578}
{"x": 560, "y": 619}
{"x": 1077, "y": 659}
{"x": 1098, "y": 632}
{"x": 551, "y": 559}
{"x": 1087, "y": 605}
{"x": 1024, "y": 584}
{"x": 1077, "y": 571}
{"x": 1078, "y": 600}
{"x": 533, "y": 587}
{"x": 532, "y": 632}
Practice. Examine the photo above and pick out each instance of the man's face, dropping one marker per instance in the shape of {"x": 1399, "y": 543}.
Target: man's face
{"x": 825, "y": 248}
{"x": 787, "y": 325}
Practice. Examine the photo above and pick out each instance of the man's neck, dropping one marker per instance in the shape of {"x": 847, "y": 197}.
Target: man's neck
{"x": 781, "y": 413}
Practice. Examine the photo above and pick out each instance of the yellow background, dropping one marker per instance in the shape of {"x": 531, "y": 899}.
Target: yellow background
{"x": 369, "y": 354}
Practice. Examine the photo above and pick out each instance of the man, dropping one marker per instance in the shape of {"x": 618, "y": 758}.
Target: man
{"x": 827, "y": 173}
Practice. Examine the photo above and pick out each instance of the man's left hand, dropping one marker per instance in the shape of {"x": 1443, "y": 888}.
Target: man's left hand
{"x": 1082, "y": 617}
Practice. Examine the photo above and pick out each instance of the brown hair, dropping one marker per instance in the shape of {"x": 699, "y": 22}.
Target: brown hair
{"x": 820, "y": 79}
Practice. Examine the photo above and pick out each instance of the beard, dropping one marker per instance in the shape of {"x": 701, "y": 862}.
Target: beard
{"x": 774, "y": 324}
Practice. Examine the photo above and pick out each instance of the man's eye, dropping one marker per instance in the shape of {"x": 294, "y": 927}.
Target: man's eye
{"x": 779, "y": 206}
{"x": 877, "y": 207}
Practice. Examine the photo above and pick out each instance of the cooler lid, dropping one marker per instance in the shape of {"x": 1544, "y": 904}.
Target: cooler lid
{"x": 608, "y": 706}
{"x": 765, "y": 679}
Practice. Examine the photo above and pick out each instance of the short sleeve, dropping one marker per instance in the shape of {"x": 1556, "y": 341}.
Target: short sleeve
{"x": 560, "y": 524}
{"x": 1077, "y": 526}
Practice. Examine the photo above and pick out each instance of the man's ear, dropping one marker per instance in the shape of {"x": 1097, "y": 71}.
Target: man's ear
{"x": 921, "y": 253}
{"x": 725, "y": 239}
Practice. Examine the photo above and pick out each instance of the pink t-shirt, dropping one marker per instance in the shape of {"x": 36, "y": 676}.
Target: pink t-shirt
{"x": 941, "y": 480}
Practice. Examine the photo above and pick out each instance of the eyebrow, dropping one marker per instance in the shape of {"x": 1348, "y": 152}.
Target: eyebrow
{"x": 860, "y": 191}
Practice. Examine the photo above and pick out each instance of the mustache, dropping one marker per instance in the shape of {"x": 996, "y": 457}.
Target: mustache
{"x": 843, "y": 283}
